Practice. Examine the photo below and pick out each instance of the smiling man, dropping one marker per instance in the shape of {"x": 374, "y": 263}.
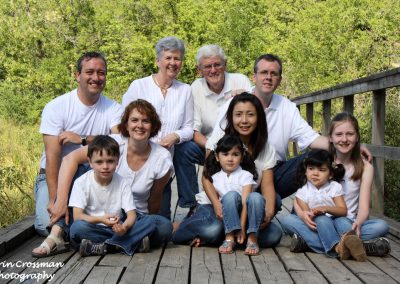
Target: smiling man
{"x": 210, "y": 92}
{"x": 69, "y": 122}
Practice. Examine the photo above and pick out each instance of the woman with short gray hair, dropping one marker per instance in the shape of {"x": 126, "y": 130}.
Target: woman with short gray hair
{"x": 171, "y": 98}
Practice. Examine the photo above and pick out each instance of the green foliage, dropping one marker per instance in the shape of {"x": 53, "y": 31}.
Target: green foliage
{"x": 20, "y": 151}
{"x": 322, "y": 43}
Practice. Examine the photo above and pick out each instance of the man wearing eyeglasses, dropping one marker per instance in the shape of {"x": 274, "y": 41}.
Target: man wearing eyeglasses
{"x": 210, "y": 92}
{"x": 284, "y": 124}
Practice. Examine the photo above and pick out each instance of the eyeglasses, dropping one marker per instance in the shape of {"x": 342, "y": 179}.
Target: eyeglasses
{"x": 265, "y": 73}
{"x": 208, "y": 67}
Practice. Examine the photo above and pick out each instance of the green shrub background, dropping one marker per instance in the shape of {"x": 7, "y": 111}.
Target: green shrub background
{"x": 322, "y": 43}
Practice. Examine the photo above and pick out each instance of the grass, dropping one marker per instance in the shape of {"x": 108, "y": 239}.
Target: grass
{"x": 20, "y": 152}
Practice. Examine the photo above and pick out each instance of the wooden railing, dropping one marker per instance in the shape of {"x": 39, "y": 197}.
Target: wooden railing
{"x": 377, "y": 84}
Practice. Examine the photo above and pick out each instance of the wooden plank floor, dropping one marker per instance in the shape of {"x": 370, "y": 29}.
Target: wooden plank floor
{"x": 184, "y": 264}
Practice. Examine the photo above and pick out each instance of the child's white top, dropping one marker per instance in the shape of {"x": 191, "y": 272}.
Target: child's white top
{"x": 351, "y": 189}
{"x": 266, "y": 160}
{"x": 97, "y": 200}
{"x": 315, "y": 197}
{"x": 234, "y": 182}
{"x": 141, "y": 181}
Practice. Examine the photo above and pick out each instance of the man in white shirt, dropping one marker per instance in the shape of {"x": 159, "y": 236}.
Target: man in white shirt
{"x": 210, "y": 92}
{"x": 69, "y": 122}
{"x": 284, "y": 124}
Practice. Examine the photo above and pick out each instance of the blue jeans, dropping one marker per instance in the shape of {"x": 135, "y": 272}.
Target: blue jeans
{"x": 144, "y": 226}
{"x": 231, "y": 211}
{"x": 186, "y": 156}
{"x": 163, "y": 230}
{"x": 370, "y": 229}
{"x": 203, "y": 224}
{"x": 323, "y": 240}
{"x": 41, "y": 193}
{"x": 165, "y": 207}
{"x": 272, "y": 234}
{"x": 285, "y": 176}
{"x": 232, "y": 207}
{"x": 206, "y": 226}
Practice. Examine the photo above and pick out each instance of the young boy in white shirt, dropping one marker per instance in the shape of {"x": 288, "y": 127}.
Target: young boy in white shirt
{"x": 98, "y": 198}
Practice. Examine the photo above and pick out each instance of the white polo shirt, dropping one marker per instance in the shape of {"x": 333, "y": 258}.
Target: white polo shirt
{"x": 234, "y": 182}
{"x": 284, "y": 124}
{"x": 315, "y": 197}
{"x": 207, "y": 103}
{"x": 266, "y": 160}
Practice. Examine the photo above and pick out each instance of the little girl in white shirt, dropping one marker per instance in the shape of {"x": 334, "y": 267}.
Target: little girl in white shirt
{"x": 322, "y": 199}
{"x": 233, "y": 173}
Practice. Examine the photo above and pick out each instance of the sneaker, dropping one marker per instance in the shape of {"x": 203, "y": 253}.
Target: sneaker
{"x": 377, "y": 247}
{"x": 88, "y": 248}
{"x": 145, "y": 245}
{"x": 298, "y": 244}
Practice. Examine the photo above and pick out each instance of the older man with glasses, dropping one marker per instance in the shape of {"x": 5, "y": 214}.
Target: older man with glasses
{"x": 210, "y": 92}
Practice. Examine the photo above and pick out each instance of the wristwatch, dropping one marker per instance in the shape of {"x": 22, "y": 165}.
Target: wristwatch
{"x": 83, "y": 140}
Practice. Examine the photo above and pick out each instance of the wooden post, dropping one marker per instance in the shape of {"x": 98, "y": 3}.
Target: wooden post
{"x": 326, "y": 116}
{"x": 348, "y": 104}
{"x": 378, "y": 138}
{"x": 310, "y": 113}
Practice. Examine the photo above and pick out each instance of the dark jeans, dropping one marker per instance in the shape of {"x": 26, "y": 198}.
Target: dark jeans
{"x": 285, "y": 176}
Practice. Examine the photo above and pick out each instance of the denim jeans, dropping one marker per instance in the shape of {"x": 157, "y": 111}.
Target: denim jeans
{"x": 370, "y": 229}
{"x": 272, "y": 234}
{"x": 323, "y": 240}
{"x": 165, "y": 207}
{"x": 203, "y": 224}
{"x": 163, "y": 231}
{"x": 285, "y": 176}
{"x": 231, "y": 211}
{"x": 144, "y": 226}
{"x": 186, "y": 156}
{"x": 41, "y": 193}
{"x": 206, "y": 226}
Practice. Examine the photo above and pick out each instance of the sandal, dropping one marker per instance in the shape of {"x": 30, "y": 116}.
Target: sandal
{"x": 227, "y": 247}
{"x": 59, "y": 247}
{"x": 252, "y": 247}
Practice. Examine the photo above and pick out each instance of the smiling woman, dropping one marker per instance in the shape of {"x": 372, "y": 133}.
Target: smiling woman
{"x": 171, "y": 98}
{"x": 246, "y": 119}
{"x": 146, "y": 166}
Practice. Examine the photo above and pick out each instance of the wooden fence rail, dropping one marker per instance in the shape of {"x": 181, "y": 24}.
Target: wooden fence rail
{"x": 376, "y": 85}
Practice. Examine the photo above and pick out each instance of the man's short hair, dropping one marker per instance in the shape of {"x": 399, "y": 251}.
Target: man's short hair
{"x": 271, "y": 58}
{"x": 87, "y": 56}
{"x": 169, "y": 43}
{"x": 103, "y": 144}
{"x": 210, "y": 50}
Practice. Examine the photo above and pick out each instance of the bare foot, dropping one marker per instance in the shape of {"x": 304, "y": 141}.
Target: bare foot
{"x": 241, "y": 237}
{"x": 175, "y": 226}
{"x": 195, "y": 243}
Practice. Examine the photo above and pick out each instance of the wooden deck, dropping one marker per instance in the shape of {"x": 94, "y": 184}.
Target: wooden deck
{"x": 184, "y": 264}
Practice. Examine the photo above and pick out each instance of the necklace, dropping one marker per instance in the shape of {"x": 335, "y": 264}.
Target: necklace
{"x": 164, "y": 90}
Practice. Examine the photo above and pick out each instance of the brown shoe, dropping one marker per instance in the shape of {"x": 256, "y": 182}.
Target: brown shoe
{"x": 356, "y": 247}
{"x": 341, "y": 248}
